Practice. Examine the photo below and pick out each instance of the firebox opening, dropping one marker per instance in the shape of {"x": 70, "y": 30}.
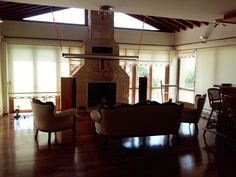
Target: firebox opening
{"x": 101, "y": 94}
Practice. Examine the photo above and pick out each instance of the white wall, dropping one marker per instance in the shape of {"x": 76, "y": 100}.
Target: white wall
{"x": 1, "y": 102}
{"x": 71, "y": 34}
{"x": 226, "y": 65}
{"x": 216, "y": 36}
{"x": 148, "y": 37}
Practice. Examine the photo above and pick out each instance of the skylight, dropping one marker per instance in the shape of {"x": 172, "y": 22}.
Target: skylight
{"x": 70, "y": 16}
{"x": 77, "y": 16}
{"x": 122, "y": 20}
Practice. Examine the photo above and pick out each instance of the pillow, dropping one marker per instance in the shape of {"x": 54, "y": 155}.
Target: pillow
{"x": 96, "y": 116}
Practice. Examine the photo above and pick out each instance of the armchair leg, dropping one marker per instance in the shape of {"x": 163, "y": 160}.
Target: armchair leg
{"x": 168, "y": 140}
{"x": 74, "y": 132}
{"x": 196, "y": 128}
{"x": 74, "y": 127}
{"x": 178, "y": 137}
{"x": 49, "y": 137}
{"x": 94, "y": 133}
{"x": 36, "y": 134}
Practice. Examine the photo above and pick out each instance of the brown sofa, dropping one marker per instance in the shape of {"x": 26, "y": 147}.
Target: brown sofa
{"x": 143, "y": 119}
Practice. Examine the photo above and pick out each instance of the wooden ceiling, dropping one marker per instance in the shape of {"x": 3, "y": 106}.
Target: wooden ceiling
{"x": 18, "y": 11}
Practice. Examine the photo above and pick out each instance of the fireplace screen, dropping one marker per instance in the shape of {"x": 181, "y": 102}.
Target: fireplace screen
{"x": 101, "y": 94}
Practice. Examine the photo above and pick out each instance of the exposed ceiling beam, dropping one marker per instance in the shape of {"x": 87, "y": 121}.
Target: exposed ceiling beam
{"x": 176, "y": 23}
{"x": 163, "y": 25}
{"x": 196, "y": 23}
{"x": 167, "y": 23}
{"x": 152, "y": 22}
{"x": 18, "y": 11}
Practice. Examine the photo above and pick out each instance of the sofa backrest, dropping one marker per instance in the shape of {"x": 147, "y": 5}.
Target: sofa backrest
{"x": 141, "y": 119}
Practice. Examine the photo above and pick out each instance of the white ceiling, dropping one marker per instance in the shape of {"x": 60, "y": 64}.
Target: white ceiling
{"x": 201, "y": 10}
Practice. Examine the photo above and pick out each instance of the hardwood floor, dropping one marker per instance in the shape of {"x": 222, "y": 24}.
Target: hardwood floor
{"x": 22, "y": 156}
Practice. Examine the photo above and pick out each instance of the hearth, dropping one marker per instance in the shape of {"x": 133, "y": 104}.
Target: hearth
{"x": 101, "y": 94}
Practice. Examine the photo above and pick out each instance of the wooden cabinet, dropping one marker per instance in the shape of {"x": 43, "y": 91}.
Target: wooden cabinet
{"x": 68, "y": 93}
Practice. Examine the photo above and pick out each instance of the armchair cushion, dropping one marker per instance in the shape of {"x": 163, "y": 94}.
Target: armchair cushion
{"x": 96, "y": 116}
{"x": 66, "y": 113}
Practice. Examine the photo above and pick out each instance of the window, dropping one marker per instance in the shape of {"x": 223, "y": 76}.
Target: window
{"x": 122, "y": 20}
{"x": 158, "y": 77}
{"x": 76, "y": 16}
{"x": 187, "y": 78}
{"x": 152, "y": 64}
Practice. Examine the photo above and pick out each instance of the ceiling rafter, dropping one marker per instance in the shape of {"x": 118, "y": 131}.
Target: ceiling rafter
{"x": 13, "y": 8}
{"x": 18, "y": 11}
{"x": 149, "y": 20}
{"x": 184, "y": 23}
{"x": 196, "y": 23}
{"x": 167, "y": 23}
{"x": 39, "y": 11}
{"x": 187, "y": 23}
{"x": 161, "y": 24}
{"x": 175, "y": 23}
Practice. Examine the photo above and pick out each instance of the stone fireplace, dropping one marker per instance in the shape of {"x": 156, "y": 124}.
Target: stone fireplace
{"x": 101, "y": 71}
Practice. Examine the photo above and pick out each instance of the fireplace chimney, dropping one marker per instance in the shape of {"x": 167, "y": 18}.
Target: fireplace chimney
{"x": 101, "y": 34}
{"x": 101, "y": 43}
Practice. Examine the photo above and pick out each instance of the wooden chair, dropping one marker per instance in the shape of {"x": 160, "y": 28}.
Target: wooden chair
{"x": 215, "y": 101}
{"x": 47, "y": 120}
{"x": 192, "y": 112}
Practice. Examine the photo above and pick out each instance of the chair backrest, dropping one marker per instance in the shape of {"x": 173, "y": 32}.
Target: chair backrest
{"x": 42, "y": 113}
{"x": 200, "y": 101}
{"x": 214, "y": 95}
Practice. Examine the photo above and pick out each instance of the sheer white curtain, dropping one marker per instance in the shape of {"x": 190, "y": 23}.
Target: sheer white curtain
{"x": 34, "y": 68}
{"x": 36, "y": 71}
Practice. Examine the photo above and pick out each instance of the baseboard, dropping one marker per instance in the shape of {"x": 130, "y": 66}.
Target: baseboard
{"x": 3, "y": 114}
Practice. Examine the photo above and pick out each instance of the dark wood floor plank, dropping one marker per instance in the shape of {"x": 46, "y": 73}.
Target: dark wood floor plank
{"x": 21, "y": 155}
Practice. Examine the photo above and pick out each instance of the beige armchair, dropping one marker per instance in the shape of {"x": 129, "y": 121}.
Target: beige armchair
{"x": 47, "y": 120}
{"x": 192, "y": 112}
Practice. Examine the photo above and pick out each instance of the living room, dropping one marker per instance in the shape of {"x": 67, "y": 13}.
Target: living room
{"x": 31, "y": 65}
{"x": 211, "y": 51}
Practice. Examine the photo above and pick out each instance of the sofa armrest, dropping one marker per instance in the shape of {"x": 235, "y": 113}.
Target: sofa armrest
{"x": 189, "y": 110}
{"x": 189, "y": 106}
{"x": 66, "y": 113}
{"x": 96, "y": 116}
